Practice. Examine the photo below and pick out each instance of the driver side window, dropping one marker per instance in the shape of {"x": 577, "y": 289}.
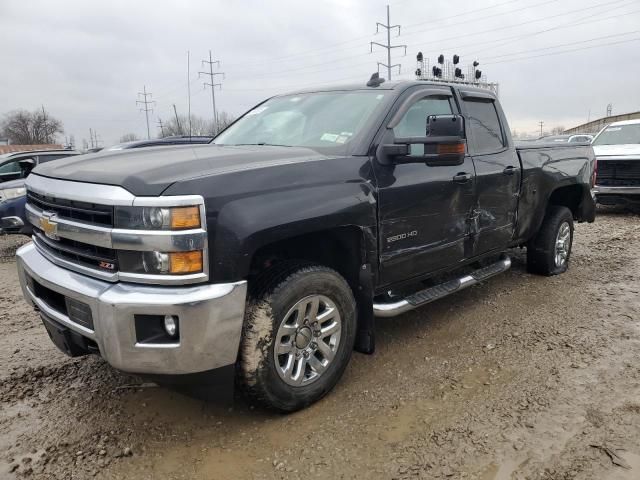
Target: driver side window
{"x": 414, "y": 122}
{"x": 10, "y": 167}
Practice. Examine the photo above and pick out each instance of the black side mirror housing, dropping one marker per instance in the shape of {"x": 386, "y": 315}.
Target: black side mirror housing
{"x": 444, "y": 143}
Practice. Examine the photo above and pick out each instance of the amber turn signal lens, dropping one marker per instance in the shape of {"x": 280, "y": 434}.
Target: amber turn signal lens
{"x": 185, "y": 262}
{"x": 451, "y": 148}
{"x": 185, "y": 217}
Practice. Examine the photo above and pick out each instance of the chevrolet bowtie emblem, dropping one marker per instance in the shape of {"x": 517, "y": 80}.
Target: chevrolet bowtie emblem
{"x": 48, "y": 225}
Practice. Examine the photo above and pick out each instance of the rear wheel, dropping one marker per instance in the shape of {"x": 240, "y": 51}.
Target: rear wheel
{"x": 298, "y": 335}
{"x": 549, "y": 251}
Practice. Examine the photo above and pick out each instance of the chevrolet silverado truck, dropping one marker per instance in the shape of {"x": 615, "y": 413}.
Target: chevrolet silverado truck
{"x": 270, "y": 252}
{"x": 617, "y": 149}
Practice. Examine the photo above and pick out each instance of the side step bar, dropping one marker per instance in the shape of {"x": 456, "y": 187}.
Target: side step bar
{"x": 436, "y": 292}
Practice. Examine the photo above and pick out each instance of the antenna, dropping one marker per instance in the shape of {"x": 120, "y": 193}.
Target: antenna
{"x": 388, "y": 46}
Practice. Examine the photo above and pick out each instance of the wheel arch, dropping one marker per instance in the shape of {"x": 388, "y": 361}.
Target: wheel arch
{"x": 349, "y": 250}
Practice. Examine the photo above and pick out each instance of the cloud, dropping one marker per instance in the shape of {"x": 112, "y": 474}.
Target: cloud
{"x": 86, "y": 60}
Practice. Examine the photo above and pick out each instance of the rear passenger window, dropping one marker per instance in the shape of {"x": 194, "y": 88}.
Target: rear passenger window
{"x": 486, "y": 133}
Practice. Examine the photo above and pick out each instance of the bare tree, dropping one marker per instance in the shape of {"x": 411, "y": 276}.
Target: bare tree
{"x": 199, "y": 126}
{"x": 128, "y": 137}
{"x": 559, "y": 130}
{"x": 31, "y": 128}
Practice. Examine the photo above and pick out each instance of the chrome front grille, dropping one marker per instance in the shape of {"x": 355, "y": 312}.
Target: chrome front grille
{"x": 90, "y": 256}
{"x": 73, "y": 210}
{"x": 74, "y": 228}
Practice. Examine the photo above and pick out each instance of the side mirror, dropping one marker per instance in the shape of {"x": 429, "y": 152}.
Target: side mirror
{"x": 26, "y": 165}
{"x": 443, "y": 143}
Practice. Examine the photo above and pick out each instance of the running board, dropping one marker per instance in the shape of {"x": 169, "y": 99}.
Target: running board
{"x": 436, "y": 292}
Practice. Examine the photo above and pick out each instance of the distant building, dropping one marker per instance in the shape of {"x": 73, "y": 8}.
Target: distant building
{"x": 4, "y": 141}
{"x": 6, "y": 148}
{"x": 596, "y": 125}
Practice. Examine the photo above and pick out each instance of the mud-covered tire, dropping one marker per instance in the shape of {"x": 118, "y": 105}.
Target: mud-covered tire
{"x": 542, "y": 250}
{"x": 272, "y": 297}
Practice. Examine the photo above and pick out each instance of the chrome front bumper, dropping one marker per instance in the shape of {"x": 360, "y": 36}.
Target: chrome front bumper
{"x": 210, "y": 317}
{"x": 602, "y": 190}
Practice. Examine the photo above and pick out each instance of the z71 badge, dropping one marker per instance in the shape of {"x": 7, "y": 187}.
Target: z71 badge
{"x": 402, "y": 236}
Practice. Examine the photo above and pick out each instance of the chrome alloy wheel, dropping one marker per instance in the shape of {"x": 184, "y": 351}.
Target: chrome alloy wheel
{"x": 307, "y": 340}
{"x": 563, "y": 244}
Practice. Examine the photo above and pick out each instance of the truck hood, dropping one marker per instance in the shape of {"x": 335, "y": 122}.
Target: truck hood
{"x": 149, "y": 171}
{"x": 617, "y": 150}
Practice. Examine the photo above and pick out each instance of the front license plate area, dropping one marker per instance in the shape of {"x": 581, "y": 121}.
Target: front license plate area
{"x": 65, "y": 339}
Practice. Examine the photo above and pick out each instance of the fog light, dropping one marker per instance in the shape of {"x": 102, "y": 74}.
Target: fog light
{"x": 171, "y": 325}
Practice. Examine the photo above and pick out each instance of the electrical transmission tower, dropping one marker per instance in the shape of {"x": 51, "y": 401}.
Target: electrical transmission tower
{"x": 388, "y": 46}
{"x": 146, "y": 108}
{"x": 161, "y": 127}
{"x": 211, "y": 74}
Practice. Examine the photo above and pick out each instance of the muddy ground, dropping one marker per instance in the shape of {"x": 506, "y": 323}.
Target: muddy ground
{"x": 523, "y": 377}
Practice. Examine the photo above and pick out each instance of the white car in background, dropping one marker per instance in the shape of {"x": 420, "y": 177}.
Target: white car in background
{"x": 617, "y": 149}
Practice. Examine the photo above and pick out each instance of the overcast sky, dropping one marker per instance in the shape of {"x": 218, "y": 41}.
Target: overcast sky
{"x": 86, "y": 60}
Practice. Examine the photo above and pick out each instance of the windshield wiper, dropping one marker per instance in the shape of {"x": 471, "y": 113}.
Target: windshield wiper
{"x": 260, "y": 144}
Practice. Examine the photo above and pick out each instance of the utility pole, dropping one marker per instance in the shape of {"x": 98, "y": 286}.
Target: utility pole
{"x": 177, "y": 120}
{"x": 91, "y": 137}
{"x": 161, "y": 127}
{"x": 146, "y": 108}
{"x": 189, "y": 87}
{"x": 211, "y": 74}
{"x": 541, "y": 123}
{"x": 388, "y": 46}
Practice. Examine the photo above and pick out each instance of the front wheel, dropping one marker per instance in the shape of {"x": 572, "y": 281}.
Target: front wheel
{"x": 549, "y": 251}
{"x": 298, "y": 336}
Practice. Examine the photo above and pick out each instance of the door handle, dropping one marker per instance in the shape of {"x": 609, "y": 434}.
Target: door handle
{"x": 462, "y": 177}
{"x": 510, "y": 170}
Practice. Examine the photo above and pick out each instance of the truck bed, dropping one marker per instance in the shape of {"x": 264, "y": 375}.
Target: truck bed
{"x": 547, "y": 167}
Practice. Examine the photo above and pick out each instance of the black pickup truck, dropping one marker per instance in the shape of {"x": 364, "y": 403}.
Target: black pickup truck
{"x": 270, "y": 252}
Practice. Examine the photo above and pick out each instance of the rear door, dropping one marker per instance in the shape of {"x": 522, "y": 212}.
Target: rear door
{"x": 497, "y": 172}
{"x": 423, "y": 210}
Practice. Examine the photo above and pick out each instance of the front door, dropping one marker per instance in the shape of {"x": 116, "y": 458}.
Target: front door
{"x": 423, "y": 210}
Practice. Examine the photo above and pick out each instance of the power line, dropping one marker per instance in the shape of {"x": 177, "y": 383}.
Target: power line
{"x": 146, "y": 108}
{"x": 211, "y": 74}
{"x": 285, "y": 72}
{"x": 550, "y": 54}
{"x": 332, "y": 46}
{"x": 388, "y": 27}
{"x": 562, "y": 45}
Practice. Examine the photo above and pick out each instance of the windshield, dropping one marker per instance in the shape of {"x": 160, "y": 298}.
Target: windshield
{"x": 619, "y": 135}
{"x": 320, "y": 119}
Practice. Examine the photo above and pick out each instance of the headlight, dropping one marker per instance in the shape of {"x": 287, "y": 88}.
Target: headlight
{"x": 10, "y": 193}
{"x": 158, "y": 218}
{"x": 161, "y": 263}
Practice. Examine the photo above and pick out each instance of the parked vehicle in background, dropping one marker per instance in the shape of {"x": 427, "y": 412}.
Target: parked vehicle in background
{"x": 166, "y": 141}
{"x": 14, "y": 168}
{"x": 12, "y": 204}
{"x": 617, "y": 149}
{"x": 580, "y": 138}
{"x": 269, "y": 252}
{"x": 554, "y": 139}
{"x": 16, "y": 165}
